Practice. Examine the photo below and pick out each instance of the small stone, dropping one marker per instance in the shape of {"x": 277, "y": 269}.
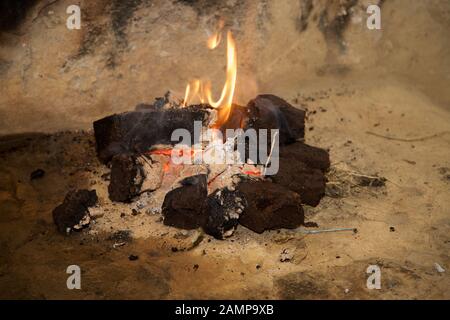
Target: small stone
{"x": 286, "y": 256}
{"x": 96, "y": 212}
{"x": 37, "y": 174}
{"x": 73, "y": 213}
{"x": 439, "y": 268}
{"x": 133, "y": 257}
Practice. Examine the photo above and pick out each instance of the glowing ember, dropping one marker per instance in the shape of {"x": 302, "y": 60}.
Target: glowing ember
{"x": 255, "y": 173}
{"x": 164, "y": 152}
{"x": 166, "y": 167}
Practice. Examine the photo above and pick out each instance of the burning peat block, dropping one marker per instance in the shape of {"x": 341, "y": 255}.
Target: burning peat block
{"x": 184, "y": 207}
{"x": 269, "y": 112}
{"x": 270, "y": 206}
{"x": 136, "y": 132}
{"x": 73, "y": 213}
{"x": 302, "y": 170}
{"x": 223, "y": 208}
{"x": 138, "y": 145}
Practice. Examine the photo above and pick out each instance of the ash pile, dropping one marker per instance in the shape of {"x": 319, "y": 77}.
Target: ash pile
{"x": 264, "y": 190}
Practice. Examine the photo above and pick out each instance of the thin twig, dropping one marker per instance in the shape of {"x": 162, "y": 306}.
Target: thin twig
{"x": 408, "y": 140}
{"x": 327, "y": 230}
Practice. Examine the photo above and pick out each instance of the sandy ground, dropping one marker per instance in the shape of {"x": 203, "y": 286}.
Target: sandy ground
{"x": 393, "y": 84}
{"x": 414, "y": 202}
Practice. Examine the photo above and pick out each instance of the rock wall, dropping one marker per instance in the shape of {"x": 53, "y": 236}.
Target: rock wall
{"x": 131, "y": 51}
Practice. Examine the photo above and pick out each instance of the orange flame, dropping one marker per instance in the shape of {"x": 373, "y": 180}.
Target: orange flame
{"x": 203, "y": 90}
{"x": 193, "y": 90}
{"x": 226, "y": 99}
{"x": 215, "y": 39}
{"x": 164, "y": 152}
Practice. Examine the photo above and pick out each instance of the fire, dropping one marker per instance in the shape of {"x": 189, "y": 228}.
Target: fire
{"x": 164, "y": 152}
{"x": 226, "y": 99}
{"x": 169, "y": 152}
{"x": 197, "y": 89}
{"x": 193, "y": 90}
{"x": 215, "y": 39}
{"x": 255, "y": 173}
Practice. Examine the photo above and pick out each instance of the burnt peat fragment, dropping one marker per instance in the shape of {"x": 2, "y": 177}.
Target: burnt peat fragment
{"x": 132, "y": 175}
{"x": 137, "y": 131}
{"x": 314, "y": 157}
{"x": 126, "y": 178}
{"x": 184, "y": 207}
{"x": 296, "y": 176}
{"x": 37, "y": 174}
{"x": 73, "y": 213}
{"x": 270, "y": 206}
{"x": 302, "y": 170}
{"x": 223, "y": 210}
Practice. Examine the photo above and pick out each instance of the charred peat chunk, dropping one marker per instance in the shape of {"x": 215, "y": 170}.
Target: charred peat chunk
{"x": 271, "y": 112}
{"x": 73, "y": 213}
{"x": 137, "y": 131}
{"x": 301, "y": 169}
{"x": 314, "y": 157}
{"x": 126, "y": 178}
{"x": 223, "y": 209}
{"x": 296, "y": 176}
{"x": 270, "y": 206}
{"x": 132, "y": 175}
{"x": 237, "y": 119}
{"x": 184, "y": 207}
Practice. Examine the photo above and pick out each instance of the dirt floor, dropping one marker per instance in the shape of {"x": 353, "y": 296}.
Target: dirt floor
{"x": 381, "y": 107}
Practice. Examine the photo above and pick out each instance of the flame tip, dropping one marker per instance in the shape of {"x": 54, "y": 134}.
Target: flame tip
{"x": 202, "y": 89}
